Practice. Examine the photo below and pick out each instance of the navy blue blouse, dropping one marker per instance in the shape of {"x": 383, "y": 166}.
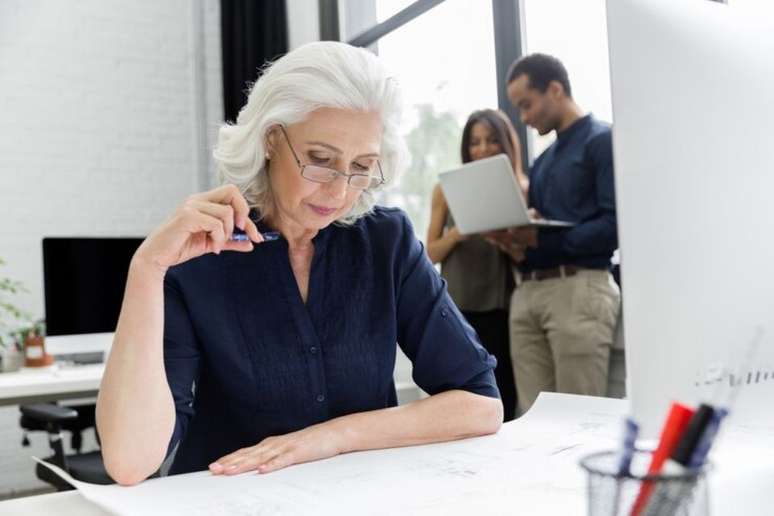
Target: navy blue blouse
{"x": 246, "y": 358}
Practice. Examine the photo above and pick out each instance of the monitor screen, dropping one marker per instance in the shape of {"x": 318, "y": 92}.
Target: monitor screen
{"x": 692, "y": 138}
{"x": 84, "y": 282}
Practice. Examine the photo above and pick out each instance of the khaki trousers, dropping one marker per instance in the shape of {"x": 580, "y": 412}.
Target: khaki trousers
{"x": 561, "y": 334}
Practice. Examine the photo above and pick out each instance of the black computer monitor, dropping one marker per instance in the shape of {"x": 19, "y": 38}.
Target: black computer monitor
{"x": 83, "y": 284}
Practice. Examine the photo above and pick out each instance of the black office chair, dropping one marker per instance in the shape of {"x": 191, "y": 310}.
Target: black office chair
{"x": 53, "y": 419}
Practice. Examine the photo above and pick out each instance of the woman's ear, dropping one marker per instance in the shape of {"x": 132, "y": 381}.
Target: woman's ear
{"x": 270, "y": 142}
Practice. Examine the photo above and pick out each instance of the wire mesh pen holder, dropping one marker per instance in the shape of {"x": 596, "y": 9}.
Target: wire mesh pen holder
{"x": 668, "y": 494}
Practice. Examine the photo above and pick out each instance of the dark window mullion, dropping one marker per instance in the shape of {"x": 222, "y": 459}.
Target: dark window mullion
{"x": 509, "y": 46}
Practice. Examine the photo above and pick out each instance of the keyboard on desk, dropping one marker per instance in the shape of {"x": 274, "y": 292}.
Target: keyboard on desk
{"x": 95, "y": 357}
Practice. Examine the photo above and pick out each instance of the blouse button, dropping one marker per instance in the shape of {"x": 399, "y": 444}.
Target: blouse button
{"x": 313, "y": 350}
{"x": 320, "y": 398}
{"x": 443, "y": 312}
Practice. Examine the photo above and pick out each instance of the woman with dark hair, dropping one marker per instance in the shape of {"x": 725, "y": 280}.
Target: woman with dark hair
{"x": 477, "y": 272}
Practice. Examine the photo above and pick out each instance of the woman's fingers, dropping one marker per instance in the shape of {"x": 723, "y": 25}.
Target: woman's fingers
{"x": 227, "y": 214}
{"x": 252, "y": 231}
{"x": 246, "y": 459}
{"x": 223, "y": 212}
{"x": 228, "y": 204}
{"x": 202, "y": 224}
{"x": 216, "y": 235}
{"x": 273, "y": 453}
{"x": 230, "y": 195}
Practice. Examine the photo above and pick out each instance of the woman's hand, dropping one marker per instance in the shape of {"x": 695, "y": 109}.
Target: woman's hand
{"x": 203, "y": 224}
{"x": 312, "y": 443}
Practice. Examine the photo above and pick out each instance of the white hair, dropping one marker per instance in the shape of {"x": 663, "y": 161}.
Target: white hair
{"x": 313, "y": 76}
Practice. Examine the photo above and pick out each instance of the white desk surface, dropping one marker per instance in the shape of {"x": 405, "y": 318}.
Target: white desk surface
{"x": 50, "y": 383}
{"x": 529, "y": 467}
{"x": 69, "y": 503}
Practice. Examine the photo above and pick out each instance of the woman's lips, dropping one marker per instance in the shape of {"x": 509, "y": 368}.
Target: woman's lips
{"x": 321, "y": 210}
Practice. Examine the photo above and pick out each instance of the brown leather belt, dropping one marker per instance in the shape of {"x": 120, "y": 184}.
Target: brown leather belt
{"x": 563, "y": 271}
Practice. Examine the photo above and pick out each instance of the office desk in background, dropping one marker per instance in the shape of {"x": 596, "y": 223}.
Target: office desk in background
{"x": 53, "y": 383}
{"x": 60, "y": 382}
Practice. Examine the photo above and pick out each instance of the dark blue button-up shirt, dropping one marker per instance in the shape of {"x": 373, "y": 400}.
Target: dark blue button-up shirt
{"x": 573, "y": 180}
{"x": 246, "y": 358}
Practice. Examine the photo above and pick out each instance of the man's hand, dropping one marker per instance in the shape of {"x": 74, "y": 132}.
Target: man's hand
{"x": 525, "y": 236}
{"x": 513, "y": 241}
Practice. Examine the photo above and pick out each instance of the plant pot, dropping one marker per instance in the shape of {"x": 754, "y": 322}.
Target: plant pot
{"x": 35, "y": 352}
{"x": 11, "y": 359}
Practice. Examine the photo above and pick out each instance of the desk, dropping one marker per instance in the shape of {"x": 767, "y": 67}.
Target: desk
{"x": 69, "y": 503}
{"x": 50, "y": 384}
{"x": 529, "y": 467}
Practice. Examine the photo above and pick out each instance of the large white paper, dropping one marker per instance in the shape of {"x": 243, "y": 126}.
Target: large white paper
{"x": 529, "y": 467}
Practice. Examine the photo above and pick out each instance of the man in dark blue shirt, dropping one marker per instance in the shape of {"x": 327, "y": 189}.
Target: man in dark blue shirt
{"x": 564, "y": 311}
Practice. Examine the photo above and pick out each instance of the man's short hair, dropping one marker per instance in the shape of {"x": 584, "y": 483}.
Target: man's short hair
{"x": 540, "y": 70}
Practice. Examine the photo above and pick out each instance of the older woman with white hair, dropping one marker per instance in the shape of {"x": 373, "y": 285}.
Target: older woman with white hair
{"x": 283, "y": 351}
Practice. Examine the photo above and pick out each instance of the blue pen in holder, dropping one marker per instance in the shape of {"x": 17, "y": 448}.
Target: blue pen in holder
{"x": 610, "y": 492}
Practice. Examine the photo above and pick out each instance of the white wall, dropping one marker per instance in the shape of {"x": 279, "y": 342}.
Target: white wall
{"x": 107, "y": 112}
{"x": 303, "y": 22}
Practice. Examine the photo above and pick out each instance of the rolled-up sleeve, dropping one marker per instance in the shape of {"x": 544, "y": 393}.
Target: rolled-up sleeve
{"x": 444, "y": 349}
{"x": 181, "y": 356}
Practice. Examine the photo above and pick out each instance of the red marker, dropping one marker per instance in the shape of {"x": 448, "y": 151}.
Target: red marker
{"x": 676, "y": 423}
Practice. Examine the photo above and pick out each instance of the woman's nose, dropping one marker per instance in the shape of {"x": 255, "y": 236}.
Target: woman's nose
{"x": 337, "y": 188}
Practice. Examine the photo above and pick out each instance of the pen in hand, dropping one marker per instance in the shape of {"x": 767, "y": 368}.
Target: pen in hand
{"x": 240, "y": 236}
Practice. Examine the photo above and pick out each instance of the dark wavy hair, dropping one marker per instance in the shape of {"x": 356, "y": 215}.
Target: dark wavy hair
{"x": 500, "y": 125}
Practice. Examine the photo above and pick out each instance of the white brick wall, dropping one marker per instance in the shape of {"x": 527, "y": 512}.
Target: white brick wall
{"x": 108, "y": 110}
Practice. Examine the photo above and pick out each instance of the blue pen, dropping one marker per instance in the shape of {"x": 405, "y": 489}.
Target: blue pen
{"x": 241, "y": 236}
{"x": 631, "y": 431}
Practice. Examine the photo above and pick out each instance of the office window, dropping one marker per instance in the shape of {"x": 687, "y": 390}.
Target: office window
{"x": 387, "y": 8}
{"x": 445, "y": 62}
{"x": 578, "y": 37}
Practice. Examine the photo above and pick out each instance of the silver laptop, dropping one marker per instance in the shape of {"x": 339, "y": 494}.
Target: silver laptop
{"x": 483, "y": 196}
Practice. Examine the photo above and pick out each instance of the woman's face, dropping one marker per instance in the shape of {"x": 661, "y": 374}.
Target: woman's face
{"x": 343, "y": 140}
{"x": 483, "y": 142}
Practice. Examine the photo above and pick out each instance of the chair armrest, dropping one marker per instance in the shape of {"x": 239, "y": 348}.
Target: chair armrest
{"x": 48, "y": 413}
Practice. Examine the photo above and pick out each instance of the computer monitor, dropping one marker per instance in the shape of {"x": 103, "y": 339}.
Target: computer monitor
{"x": 83, "y": 283}
{"x": 693, "y": 107}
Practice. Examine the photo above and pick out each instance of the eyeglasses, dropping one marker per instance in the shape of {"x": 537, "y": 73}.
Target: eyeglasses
{"x": 320, "y": 174}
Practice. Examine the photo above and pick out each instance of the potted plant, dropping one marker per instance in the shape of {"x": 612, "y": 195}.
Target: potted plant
{"x": 33, "y": 339}
{"x": 11, "y": 318}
